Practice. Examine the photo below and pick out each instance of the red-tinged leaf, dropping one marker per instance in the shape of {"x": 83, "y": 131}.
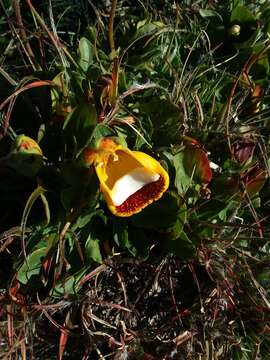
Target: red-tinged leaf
{"x": 243, "y": 150}
{"x": 253, "y": 179}
{"x": 190, "y": 141}
{"x": 257, "y": 92}
{"x": 46, "y": 267}
{"x": 196, "y": 161}
{"x": 225, "y": 185}
{"x": 15, "y": 295}
{"x": 62, "y": 343}
{"x": 13, "y": 291}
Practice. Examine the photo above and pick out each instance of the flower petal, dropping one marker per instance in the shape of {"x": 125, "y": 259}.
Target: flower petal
{"x": 130, "y": 183}
{"x": 130, "y": 180}
{"x": 141, "y": 198}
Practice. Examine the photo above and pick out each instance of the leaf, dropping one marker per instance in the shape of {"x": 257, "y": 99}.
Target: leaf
{"x": 243, "y": 150}
{"x": 32, "y": 266}
{"x": 92, "y": 232}
{"x": 100, "y": 132}
{"x": 81, "y": 185}
{"x": 241, "y": 14}
{"x": 182, "y": 179}
{"x": 69, "y": 197}
{"x": 139, "y": 241}
{"x": 68, "y": 285}
{"x": 175, "y": 231}
{"x": 225, "y": 186}
{"x": 165, "y": 117}
{"x": 92, "y": 249}
{"x": 146, "y": 28}
{"x": 162, "y": 214}
{"x": 80, "y": 124}
{"x": 253, "y": 180}
{"x": 85, "y": 219}
{"x": 206, "y": 13}
{"x": 120, "y": 233}
{"x": 196, "y": 163}
{"x": 182, "y": 247}
{"x": 85, "y": 52}
{"x": 130, "y": 238}
{"x": 62, "y": 343}
{"x": 210, "y": 210}
{"x": 260, "y": 69}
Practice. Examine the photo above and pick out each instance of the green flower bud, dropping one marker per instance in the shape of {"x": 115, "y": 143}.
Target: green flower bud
{"x": 26, "y": 156}
{"x": 234, "y": 30}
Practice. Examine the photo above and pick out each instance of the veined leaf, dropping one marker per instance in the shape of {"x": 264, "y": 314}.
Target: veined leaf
{"x": 80, "y": 124}
{"x": 32, "y": 266}
{"x": 85, "y": 52}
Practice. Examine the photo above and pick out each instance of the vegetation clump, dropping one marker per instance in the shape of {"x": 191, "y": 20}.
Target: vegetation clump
{"x": 134, "y": 180}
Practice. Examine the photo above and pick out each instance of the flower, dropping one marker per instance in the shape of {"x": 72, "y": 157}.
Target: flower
{"x": 25, "y": 145}
{"x": 130, "y": 180}
{"x": 25, "y": 156}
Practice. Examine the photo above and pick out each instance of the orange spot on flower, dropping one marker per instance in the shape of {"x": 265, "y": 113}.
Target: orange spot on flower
{"x": 89, "y": 156}
{"x": 25, "y": 146}
{"x": 108, "y": 144}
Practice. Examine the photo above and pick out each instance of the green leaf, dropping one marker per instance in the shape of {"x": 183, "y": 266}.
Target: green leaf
{"x": 161, "y": 214}
{"x": 92, "y": 249}
{"x": 225, "y": 186}
{"x": 182, "y": 247}
{"x": 139, "y": 241}
{"x": 130, "y": 238}
{"x": 175, "y": 231}
{"x": 32, "y": 266}
{"x": 206, "y": 13}
{"x": 260, "y": 69}
{"x": 80, "y": 124}
{"x": 85, "y": 219}
{"x": 100, "y": 132}
{"x": 120, "y": 233}
{"x": 182, "y": 179}
{"x": 68, "y": 285}
{"x": 241, "y": 14}
{"x": 91, "y": 231}
{"x": 85, "y": 52}
{"x": 146, "y": 28}
{"x": 164, "y": 116}
{"x": 216, "y": 210}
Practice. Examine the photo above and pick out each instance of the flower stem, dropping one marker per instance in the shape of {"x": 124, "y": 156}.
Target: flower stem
{"x": 111, "y": 23}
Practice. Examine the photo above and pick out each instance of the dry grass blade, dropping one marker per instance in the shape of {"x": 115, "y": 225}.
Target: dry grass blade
{"x": 24, "y": 88}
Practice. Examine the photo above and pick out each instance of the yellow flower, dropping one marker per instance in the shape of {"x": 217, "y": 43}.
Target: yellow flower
{"x": 129, "y": 180}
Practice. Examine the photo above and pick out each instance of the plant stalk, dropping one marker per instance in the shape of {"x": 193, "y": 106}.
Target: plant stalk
{"x": 111, "y": 25}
